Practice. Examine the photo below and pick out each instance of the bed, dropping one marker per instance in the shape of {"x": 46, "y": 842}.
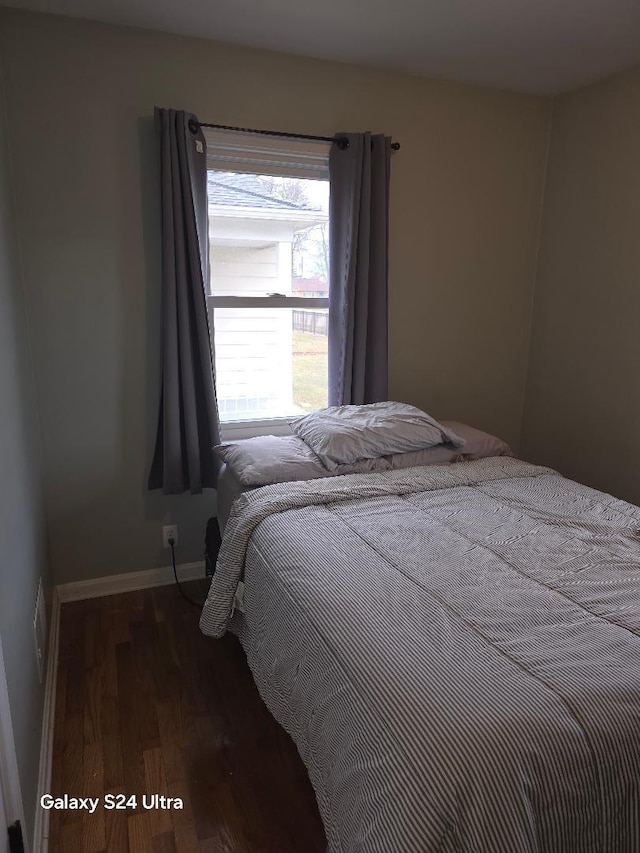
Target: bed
{"x": 453, "y": 648}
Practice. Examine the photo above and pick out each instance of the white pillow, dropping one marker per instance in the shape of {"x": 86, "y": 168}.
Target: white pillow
{"x": 340, "y": 435}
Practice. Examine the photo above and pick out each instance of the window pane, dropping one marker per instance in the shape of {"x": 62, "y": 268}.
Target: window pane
{"x": 310, "y": 359}
{"x": 270, "y": 362}
{"x": 268, "y": 235}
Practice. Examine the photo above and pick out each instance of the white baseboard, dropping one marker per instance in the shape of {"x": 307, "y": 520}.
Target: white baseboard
{"x": 41, "y": 821}
{"x": 113, "y": 584}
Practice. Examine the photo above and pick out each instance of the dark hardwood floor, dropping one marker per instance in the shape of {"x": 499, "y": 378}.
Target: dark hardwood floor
{"x": 146, "y": 704}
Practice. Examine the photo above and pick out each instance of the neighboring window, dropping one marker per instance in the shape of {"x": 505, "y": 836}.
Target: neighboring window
{"x": 269, "y": 278}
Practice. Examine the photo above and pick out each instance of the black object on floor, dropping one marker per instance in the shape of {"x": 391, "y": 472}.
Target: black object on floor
{"x": 16, "y": 843}
{"x": 212, "y": 542}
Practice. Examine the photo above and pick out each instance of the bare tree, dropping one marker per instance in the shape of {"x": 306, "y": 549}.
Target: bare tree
{"x": 316, "y": 248}
{"x": 287, "y": 189}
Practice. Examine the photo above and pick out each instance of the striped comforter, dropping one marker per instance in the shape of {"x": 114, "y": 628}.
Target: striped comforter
{"x": 455, "y": 651}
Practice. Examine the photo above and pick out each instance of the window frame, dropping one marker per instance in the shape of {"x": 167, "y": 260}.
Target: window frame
{"x": 243, "y": 153}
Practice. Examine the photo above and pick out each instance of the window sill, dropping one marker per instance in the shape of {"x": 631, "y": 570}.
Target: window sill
{"x": 236, "y": 430}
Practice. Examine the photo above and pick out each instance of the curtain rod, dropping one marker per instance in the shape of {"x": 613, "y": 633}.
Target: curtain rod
{"x": 341, "y": 141}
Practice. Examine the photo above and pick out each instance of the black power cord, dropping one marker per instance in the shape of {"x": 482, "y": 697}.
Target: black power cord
{"x": 175, "y": 574}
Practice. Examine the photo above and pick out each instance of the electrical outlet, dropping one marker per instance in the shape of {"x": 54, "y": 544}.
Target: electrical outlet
{"x": 169, "y": 531}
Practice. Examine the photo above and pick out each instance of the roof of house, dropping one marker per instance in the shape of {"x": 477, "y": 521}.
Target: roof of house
{"x": 313, "y": 284}
{"x": 239, "y": 190}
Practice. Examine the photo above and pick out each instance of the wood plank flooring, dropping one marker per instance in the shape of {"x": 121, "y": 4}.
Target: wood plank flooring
{"x": 146, "y": 704}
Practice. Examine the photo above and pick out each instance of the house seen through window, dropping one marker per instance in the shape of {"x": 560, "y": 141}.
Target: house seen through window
{"x": 269, "y": 291}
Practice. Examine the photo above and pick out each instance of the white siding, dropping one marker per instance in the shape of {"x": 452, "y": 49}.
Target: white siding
{"x": 244, "y": 270}
{"x": 253, "y": 361}
{"x": 253, "y": 346}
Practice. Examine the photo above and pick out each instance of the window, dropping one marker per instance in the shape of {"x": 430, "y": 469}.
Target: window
{"x": 269, "y": 278}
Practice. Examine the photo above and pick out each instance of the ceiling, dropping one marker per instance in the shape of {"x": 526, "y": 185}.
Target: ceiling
{"x": 539, "y": 46}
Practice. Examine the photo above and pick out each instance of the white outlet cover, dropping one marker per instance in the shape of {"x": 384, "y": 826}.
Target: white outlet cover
{"x": 168, "y": 531}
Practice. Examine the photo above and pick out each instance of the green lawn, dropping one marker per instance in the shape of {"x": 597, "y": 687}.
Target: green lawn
{"x": 309, "y": 371}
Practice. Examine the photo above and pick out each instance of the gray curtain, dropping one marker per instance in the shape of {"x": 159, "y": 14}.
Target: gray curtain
{"x": 188, "y": 424}
{"x": 358, "y": 241}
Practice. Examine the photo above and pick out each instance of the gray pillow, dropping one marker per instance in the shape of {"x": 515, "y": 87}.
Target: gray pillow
{"x": 340, "y": 435}
{"x": 283, "y": 459}
{"x": 477, "y": 445}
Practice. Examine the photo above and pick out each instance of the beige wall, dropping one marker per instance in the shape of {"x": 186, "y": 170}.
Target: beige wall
{"x": 466, "y": 194}
{"x": 23, "y": 560}
{"x": 583, "y": 392}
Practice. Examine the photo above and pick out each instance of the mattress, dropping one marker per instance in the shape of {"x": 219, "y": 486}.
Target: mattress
{"x": 455, "y": 651}
{"x": 228, "y": 489}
